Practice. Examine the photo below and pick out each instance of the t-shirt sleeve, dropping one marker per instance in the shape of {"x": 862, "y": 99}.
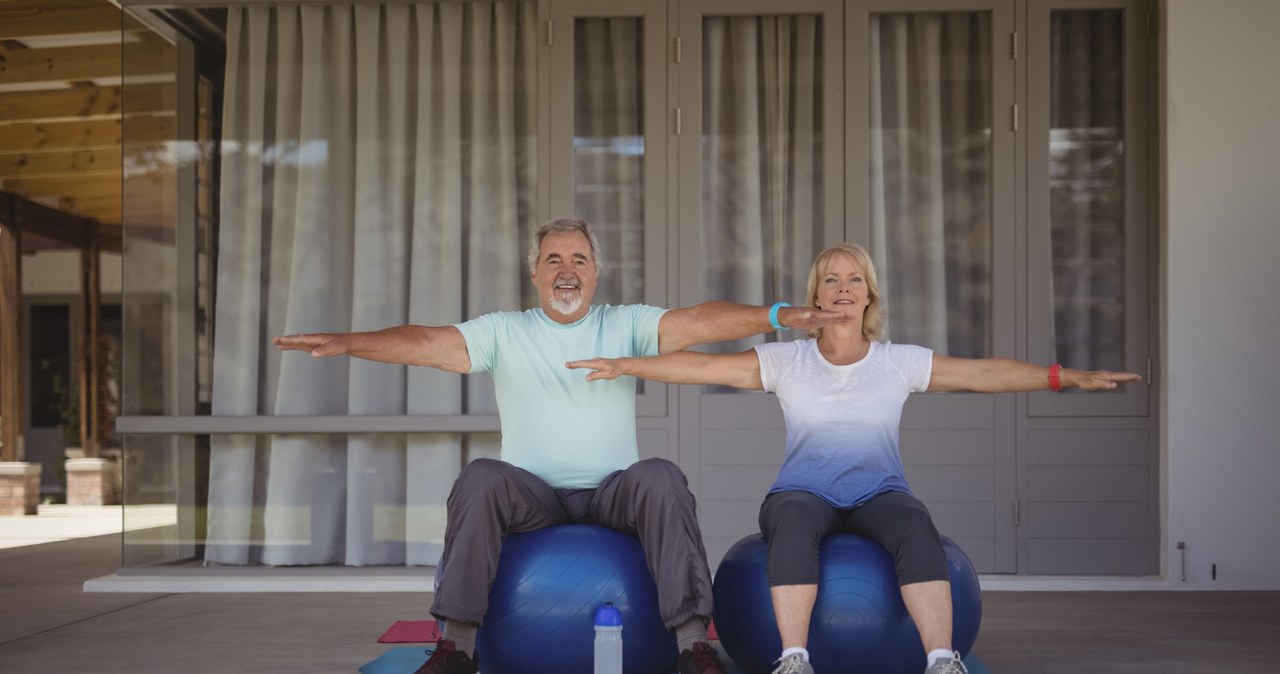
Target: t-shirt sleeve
{"x": 915, "y": 363}
{"x": 774, "y": 358}
{"x": 644, "y": 326}
{"x": 481, "y": 335}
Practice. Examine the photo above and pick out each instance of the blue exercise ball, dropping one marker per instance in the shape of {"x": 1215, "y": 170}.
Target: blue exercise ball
{"x": 859, "y": 624}
{"x": 540, "y": 618}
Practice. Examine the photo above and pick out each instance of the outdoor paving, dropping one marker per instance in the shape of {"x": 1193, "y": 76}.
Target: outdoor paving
{"x": 50, "y": 624}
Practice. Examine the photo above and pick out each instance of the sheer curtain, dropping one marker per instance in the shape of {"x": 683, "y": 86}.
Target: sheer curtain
{"x": 377, "y": 169}
{"x": 762, "y": 157}
{"x": 930, "y": 147}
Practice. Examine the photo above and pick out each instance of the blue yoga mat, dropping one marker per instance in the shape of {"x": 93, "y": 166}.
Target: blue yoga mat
{"x": 406, "y": 659}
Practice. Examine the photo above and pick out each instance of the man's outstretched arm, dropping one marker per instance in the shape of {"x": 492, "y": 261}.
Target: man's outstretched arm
{"x": 438, "y": 347}
{"x": 710, "y": 322}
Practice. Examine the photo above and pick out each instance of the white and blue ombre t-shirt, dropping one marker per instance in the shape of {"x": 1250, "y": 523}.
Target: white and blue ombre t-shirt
{"x": 556, "y": 424}
{"x": 842, "y": 420}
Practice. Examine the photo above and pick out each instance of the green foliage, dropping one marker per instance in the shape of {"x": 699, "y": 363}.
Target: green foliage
{"x": 67, "y": 405}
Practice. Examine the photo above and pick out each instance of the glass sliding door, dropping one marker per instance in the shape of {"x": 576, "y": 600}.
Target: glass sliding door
{"x": 608, "y": 147}
{"x": 930, "y": 158}
{"x": 759, "y": 196}
{"x": 1087, "y": 204}
{"x": 931, "y": 182}
{"x": 1087, "y": 292}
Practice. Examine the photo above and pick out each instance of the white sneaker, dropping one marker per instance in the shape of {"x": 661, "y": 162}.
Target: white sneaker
{"x": 947, "y": 666}
{"x": 794, "y": 664}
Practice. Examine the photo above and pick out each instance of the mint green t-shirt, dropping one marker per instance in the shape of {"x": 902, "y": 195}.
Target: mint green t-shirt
{"x": 555, "y": 424}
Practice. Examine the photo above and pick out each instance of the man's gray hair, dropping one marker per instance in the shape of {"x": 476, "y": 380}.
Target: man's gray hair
{"x": 563, "y": 225}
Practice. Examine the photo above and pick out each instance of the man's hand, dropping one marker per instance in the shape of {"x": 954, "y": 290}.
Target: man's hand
{"x": 1096, "y": 380}
{"x": 318, "y": 345}
{"x": 725, "y": 321}
{"x": 605, "y": 368}
{"x": 810, "y": 318}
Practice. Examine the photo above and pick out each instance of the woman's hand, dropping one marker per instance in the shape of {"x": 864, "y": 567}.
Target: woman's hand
{"x": 605, "y": 368}
{"x": 1096, "y": 380}
{"x": 1002, "y": 375}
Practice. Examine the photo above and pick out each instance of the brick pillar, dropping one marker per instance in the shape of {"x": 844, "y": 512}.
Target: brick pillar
{"x": 19, "y": 488}
{"x": 91, "y": 482}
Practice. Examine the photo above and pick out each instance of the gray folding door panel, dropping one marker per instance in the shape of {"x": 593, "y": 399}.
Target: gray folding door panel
{"x": 740, "y": 411}
{"x": 1089, "y": 446}
{"x": 1085, "y": 484}
{"x": 957, "y": 447}
{"x": 1078, "y": 231}
{"x": 732, "y": 482}
{"x": 732, "y": 444}
{"x": 742, "y": 515}
{"x": 744, "y": 446}
{"x": 1090, "y": 500}
{"x": 656, "y": 443}
{"x": 1109, "y": 520}
{"x": 1089, "y": 556}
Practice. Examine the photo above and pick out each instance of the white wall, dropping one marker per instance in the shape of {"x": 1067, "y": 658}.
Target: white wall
{"x": 1220, "y": 285}
{"x": 57, "y": 272}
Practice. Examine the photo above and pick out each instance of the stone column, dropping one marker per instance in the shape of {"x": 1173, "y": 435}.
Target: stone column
{"x": 19, "y": 488}
{"x": 91, "y": 482}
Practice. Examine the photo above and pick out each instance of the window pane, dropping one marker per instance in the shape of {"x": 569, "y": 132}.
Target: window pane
{"x": 609, "y": 150}
{"x": 762, "y": 154}
{"x": 931, "y": 177}
{"x": 370, "y": 499}
{"x": 55, "y": 392}
{"x": 1086, "y": 187}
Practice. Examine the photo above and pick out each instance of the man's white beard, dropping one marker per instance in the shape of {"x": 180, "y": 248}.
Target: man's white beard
{"x": 566, "y": 306}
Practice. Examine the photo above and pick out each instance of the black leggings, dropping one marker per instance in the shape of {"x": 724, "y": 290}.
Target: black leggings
{"x": 795, "y": 522}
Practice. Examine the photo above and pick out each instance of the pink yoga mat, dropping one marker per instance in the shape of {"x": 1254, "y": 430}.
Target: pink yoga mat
{"x": 411, "y": 632}
{"x": 428, "y": 631}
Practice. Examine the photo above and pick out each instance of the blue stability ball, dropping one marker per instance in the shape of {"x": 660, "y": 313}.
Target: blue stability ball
{"x": 859, "y": 625}
{"x": 549, "y": 584}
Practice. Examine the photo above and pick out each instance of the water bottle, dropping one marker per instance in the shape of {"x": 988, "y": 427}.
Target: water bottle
{"x": 608, "y": 640}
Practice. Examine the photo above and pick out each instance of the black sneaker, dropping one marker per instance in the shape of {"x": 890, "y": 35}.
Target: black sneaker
{"x": 448, "y": 660}
{"x": 701, "y": 659}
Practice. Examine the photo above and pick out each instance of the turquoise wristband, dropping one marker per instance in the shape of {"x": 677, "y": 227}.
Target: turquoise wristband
{"x": 773, "y": 314}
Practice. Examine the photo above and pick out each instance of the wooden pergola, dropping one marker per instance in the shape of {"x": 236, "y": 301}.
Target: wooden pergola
{"x": 25, "y": 227}
{"x": 63, "y": 112}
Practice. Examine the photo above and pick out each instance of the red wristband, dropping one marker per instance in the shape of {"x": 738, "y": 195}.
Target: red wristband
{"x": 1055, "y": 381}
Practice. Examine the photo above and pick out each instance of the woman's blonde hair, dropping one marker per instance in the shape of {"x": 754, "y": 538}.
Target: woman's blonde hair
{"x": 873, "y": 317}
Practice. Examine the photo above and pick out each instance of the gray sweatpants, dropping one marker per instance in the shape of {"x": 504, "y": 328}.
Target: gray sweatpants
{"x": 650, "y": 500}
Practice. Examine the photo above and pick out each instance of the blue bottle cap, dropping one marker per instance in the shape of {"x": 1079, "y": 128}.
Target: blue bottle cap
{"x": 608, "y": 616}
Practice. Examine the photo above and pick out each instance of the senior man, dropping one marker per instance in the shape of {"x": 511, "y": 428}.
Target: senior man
{"x": 554, "y": 472}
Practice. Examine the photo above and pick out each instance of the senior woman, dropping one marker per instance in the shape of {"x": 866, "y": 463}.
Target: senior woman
{"x": 842, "y": 394}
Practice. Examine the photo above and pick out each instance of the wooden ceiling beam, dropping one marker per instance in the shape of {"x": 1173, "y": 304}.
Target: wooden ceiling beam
{"x": 79, "y": 64}
{"x": 87, "y": 101}
{"x": 59, "y": 64}
{"x": 50, "y": 223}
{"x": 53, "y": 164}
{"x": 76, "y": 187}
{"x": 84, "y": 135}
{"x": 102, "y": 209}
{"x": 15, "y": 5}
{"x": 21, "y": 22}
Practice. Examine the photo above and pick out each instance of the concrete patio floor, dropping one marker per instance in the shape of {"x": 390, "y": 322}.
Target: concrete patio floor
{"x": 51, "y": 625}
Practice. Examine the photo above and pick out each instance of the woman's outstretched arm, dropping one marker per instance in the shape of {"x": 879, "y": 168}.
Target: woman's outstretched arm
{"x": 1002, "y": 375}
{"x": 740, "y": 370}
